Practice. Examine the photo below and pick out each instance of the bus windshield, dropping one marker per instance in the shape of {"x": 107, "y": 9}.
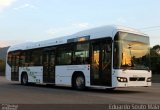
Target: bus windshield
{"x": 131, "y": 51}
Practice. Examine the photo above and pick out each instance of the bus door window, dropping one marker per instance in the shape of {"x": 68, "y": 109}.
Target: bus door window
{"x": 101, "y": 62}
{"x": 49, "y": 66}
{"x": 52, "y": 66}
{"x": 95, "y": 62}
{"x": 46, "y": 64}
{"x": 106, "y": 56}
{"x": 15, "y": 65}
{"x": 106, "y": 63}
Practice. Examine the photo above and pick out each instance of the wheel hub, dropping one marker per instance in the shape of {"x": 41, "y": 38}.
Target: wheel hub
{"x": 79, "y": 81}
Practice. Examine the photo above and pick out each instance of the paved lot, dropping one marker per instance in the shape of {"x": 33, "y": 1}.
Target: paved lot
{"x": 14, "y": 93}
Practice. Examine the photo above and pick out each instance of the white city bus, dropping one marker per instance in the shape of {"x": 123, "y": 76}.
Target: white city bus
{"x": 107, "y": 57}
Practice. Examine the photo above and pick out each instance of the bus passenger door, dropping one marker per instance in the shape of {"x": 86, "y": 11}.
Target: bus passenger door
{"x": 101, "y": 63}
{"x": 49, "y": 66}
{"x": 15, "y": 67}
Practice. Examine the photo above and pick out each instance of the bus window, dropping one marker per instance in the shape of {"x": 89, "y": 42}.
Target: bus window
{"x": 37, "y": 57}
{"x": 64, "y": 55}
{"x": 81, "y": 54}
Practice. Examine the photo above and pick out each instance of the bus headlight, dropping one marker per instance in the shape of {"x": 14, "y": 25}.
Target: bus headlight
{"x": 149, "y": 79}
{"x": 122, "y": 79}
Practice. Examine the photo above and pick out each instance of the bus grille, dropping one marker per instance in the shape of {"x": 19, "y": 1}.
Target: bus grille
{"x": 137, "y": 78}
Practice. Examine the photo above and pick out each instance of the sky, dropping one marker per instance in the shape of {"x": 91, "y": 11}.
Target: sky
{"x": 36, "y": 20}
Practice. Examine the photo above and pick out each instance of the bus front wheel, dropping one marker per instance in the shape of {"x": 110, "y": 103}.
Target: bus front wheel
{"x": 24, "y": 79}
{"x": 79, "y": 82}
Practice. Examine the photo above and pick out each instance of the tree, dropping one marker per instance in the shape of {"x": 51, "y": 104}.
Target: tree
{"x": 155, "y": 59}
{"x": 2, "y": 66}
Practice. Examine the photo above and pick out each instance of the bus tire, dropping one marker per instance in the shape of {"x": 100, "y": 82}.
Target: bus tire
{"x": 79, "y": 82}
{"x": 24, "y": 79}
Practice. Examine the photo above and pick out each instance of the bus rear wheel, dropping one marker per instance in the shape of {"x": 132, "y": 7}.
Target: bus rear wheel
{"x": 24, "y": 79}
{"x": 79, "y": 82}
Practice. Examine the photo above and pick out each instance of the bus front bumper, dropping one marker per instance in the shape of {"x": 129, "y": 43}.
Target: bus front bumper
{"x": 133, "y": 84}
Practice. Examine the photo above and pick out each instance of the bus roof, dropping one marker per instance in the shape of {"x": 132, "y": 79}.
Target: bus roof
{"x": 94, "y": 33}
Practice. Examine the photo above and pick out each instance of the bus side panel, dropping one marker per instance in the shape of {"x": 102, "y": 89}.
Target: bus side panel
{"x": 63, "y": 74}
{"x": 35, "y": 74}
{"x": 8, "y": 72}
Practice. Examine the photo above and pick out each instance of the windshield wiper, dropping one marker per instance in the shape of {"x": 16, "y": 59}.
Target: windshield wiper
{"x": 124, "y": 69}
{"x": 127, "y": 68}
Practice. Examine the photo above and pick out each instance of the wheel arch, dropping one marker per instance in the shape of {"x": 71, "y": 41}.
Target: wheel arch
{"x": 23, "y": 73}
{"x": 76, "y": 73}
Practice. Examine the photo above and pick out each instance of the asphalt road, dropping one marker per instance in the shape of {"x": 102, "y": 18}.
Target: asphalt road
{"x": 14, "y": 93}
{"x": 65, "y": 98}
